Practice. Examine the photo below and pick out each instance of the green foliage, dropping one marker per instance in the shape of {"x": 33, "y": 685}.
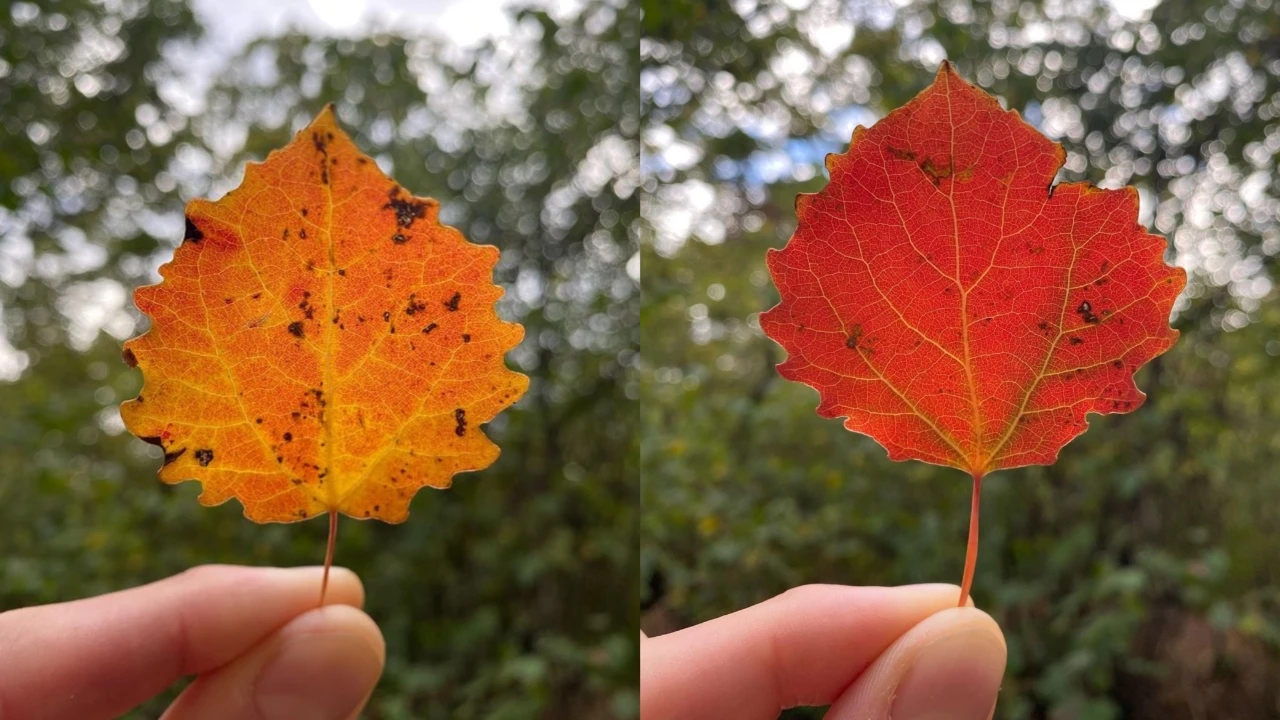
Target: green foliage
{"x": 499, "y": 598}
{"x": 1138, "y": 577}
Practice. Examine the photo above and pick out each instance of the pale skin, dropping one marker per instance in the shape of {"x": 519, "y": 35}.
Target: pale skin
{"x": 255, "y": 639}
{"x": 871, "y": 653}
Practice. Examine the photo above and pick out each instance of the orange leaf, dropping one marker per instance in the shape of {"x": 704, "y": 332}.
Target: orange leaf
{"x": 951, "y": 304}
{"x": 320, "y": 342}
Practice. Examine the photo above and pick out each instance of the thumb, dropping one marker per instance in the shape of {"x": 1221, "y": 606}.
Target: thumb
{"x": 321, "y": 666}
{"x": 948, "y": 667}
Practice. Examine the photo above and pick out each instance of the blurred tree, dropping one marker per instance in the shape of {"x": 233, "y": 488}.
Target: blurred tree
{"x": 1138, "y": 576}
{"x": 505, "y": 597}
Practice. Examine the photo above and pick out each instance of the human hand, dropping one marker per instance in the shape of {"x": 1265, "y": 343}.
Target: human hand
{"x": 261, "y": 648}
{"x": 872, "y": 653}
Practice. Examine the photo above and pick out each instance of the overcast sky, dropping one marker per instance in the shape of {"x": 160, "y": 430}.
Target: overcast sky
{"x": 232, "y": 22}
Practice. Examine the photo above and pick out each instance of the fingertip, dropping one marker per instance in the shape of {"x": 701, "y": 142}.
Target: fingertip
{"x": 340, "y": 619}
{"x": 949, "y": 665}
{"x": 345, "y": 587}
{"x": 323, "y": 665}
{"x": 326, "y": 665}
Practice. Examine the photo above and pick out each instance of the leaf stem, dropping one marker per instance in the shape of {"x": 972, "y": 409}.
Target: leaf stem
{"x": 328, "y": 553}
{"x": 971, "y": 554}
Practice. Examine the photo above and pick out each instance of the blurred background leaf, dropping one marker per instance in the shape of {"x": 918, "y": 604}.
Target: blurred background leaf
{"x": 1139, "y": 577}
{"x": 510, "y": 595}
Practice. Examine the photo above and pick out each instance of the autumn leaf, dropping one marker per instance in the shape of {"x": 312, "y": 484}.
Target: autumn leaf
{"x": 320, "y": 343}
{"x": 946, "y": 299}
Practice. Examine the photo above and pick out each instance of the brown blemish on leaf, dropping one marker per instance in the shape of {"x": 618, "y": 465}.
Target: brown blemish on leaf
{"x": 414, "y": 305}
{"x": 406, "y": 209}
{"x": 192, "y": 233}
{"x": 1085, "y": 311}
{"x": 851, "y": 342}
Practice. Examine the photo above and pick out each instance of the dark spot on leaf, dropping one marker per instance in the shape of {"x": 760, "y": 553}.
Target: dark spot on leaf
{"x": 901, "y": 153}
{"x": 386, "y": 316}
{"x": 1075, "y": 340}
{"x": 935, "y": 173}
{"x": 452, "y": 304}
{"x": 460, "y": 417}
{"x": 302, "y": 233}
{"x": 414, "y": 305}
{"x": 399, "y": 238}
{"x": 192, "y": 232}
{"x": 288, "y": 437}
{"x": 204, "y": 456}
{"x": 427, "y": 330}
{"x": 466, "y": 338}
{"x": 406, "y": 210}
{"x": 295, "y": 328}
{"x": 129, "y": 358}
{"x": 1118, "y": 365}
{"x": 1085, "y": 311}
{"x": 851, "y": 342}
{"x": 171, "y": 456}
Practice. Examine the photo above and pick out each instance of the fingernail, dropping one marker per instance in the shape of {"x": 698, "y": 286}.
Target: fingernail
{"x": 324, "y": 676}
{"x": 955, "y": 677}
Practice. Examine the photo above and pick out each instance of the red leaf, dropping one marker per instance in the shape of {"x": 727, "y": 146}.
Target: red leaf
{"x": 951, "y": 304}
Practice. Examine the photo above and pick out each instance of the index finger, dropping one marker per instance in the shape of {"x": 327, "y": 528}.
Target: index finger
{"x": 803, "y": 647}
{"x": 96, "y": 658}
